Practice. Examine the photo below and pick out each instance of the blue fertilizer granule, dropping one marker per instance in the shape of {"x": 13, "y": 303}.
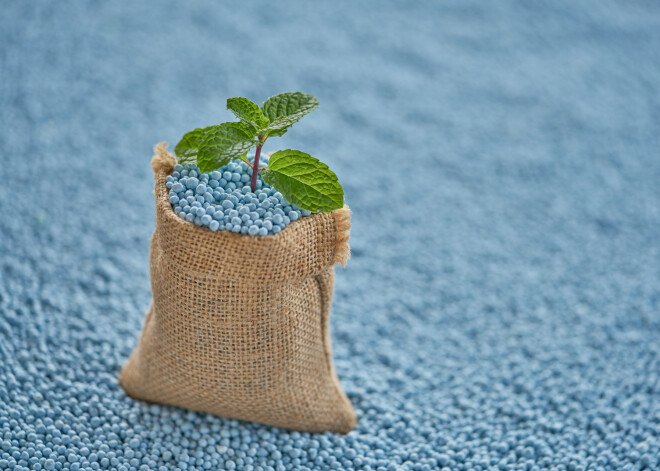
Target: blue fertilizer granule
{"x": 223, "y": 200}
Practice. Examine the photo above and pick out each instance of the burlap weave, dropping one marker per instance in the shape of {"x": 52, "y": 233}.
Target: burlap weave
{"x": 238, "y": 326}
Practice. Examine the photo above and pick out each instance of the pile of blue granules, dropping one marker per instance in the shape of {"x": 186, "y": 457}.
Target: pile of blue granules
{"x": 223, "y": 200}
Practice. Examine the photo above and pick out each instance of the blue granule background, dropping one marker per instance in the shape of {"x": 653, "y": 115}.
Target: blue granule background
{"x": 501, "y": 310}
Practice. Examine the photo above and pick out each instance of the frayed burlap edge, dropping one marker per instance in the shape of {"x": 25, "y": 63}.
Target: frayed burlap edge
{"x": 162, "y": 159}
{"x": 343, "y": 224}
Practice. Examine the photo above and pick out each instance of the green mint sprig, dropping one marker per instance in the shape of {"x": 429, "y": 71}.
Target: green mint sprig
{"x": 301, "y": 178}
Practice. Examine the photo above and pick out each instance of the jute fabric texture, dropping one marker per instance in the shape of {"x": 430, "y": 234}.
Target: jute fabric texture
{"x": 238, "y": 325}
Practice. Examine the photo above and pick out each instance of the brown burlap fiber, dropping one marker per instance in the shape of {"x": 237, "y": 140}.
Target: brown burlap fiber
{"x": 238, "y": 326}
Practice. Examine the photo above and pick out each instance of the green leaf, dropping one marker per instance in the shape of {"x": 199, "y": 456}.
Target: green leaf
{"x": 287, "y": 108}
{"x": 215, "y": 146}
{"x": 188, "y": 147}
{"x": 276, "y": 132}
{"x": 248, "y": 112}
{"x": 289, "y": 104}
{"x": 304, "y": 181}
{"x": 247, "y": 129}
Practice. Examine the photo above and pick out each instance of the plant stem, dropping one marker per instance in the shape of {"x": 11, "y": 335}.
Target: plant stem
{"x": 255, "y": 165}
{"x": 244, "y": 159}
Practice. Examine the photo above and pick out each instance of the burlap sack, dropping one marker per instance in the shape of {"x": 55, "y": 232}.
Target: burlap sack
{"x": 238, "y": 326}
